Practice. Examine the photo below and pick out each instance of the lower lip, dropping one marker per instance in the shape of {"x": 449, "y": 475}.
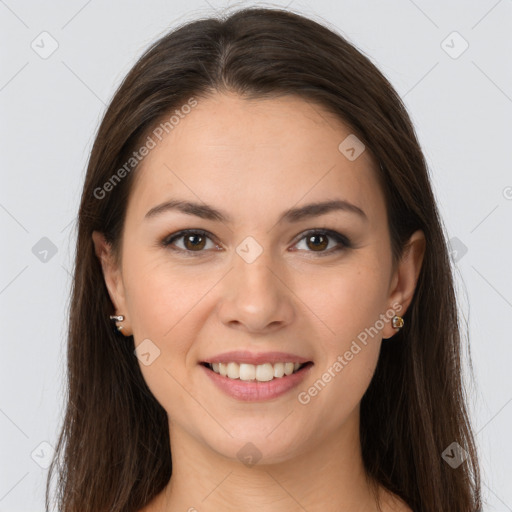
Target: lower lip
{"x": 250, "y": 391}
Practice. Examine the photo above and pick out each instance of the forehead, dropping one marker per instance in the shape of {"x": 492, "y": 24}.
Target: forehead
{"x": 257, "y": 155}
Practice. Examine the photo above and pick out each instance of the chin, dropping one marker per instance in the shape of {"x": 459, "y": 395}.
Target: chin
{"x": 254, "y": 445}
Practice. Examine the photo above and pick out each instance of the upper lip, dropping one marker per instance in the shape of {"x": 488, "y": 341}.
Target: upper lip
{"x": 244, "y": 356}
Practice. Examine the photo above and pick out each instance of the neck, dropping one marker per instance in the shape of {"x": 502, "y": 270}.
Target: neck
{"x": 328, "y": 476}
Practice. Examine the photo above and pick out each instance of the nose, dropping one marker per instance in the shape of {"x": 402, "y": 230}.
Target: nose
{"x": 256, "y": 297}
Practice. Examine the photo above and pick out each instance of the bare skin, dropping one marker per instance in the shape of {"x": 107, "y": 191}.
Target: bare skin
{"x": 254, "y": 160}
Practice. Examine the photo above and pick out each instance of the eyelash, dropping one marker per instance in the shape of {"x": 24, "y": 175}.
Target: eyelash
{"x": 343, "y": 241}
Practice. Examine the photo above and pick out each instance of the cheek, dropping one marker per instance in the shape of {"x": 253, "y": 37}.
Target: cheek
{"x": 349, "y": 301}
{"x": 159, "y": 295}
{"x": 169, "y": 306}
{"x": 164, "y": 305}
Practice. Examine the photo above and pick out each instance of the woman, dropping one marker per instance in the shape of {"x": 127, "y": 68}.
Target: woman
{"x": 263, "y": 313}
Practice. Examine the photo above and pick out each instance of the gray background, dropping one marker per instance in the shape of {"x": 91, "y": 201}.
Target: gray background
{"x": 461, "y": 104}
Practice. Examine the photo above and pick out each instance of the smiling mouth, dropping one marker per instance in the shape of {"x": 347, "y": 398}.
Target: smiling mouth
{"x": 265, "y": 372}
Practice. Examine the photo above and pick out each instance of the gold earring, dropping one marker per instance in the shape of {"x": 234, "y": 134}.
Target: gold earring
{"x": 397, "y": 322}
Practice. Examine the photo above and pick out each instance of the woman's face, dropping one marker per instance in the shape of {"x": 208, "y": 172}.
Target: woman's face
{"x": 257, "y": 282}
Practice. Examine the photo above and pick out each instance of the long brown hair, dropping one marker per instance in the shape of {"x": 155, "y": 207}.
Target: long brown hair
{"x": 113, "y": 452}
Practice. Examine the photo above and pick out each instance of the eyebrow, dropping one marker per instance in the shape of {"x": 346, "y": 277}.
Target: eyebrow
{"x": 296, "y": 214}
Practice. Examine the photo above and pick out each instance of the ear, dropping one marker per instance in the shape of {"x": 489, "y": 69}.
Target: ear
{"x": 405, "y": 277}
{"x": 112, "y": 275}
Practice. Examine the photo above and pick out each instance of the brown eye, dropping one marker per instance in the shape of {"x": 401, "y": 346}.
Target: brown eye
{"x": 317, "y": 242}
{"x": 194, "y": 241}
{"x": 190, "y": 241}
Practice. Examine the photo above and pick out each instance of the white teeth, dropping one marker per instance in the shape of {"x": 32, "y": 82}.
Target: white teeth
{"x": 264, "y": 372}
{"x": 233, "y": 370}
{"x": 279, "y": 370}
{"x": 261, "y": 372}
{"x": 288, "y": 368}
{"x": 247, "y": 371}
